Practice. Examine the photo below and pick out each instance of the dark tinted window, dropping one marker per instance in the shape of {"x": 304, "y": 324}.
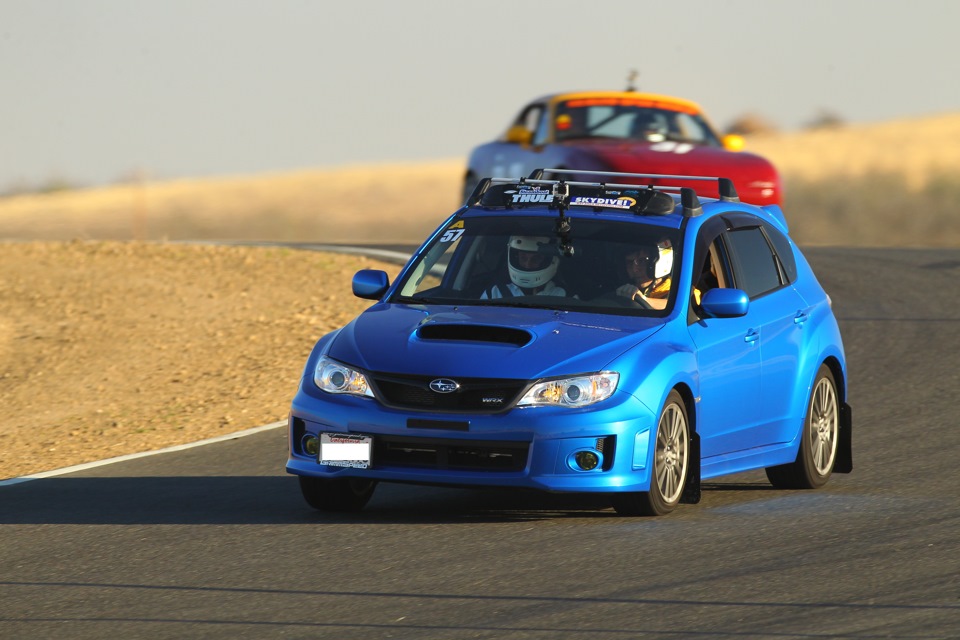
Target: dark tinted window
{"x": 585, "y": 267}
{"x": 784, "y": 252}
{"x": 753, "y": 262}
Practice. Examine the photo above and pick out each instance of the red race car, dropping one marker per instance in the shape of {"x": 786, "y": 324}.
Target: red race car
{"x": 622, "y": 131}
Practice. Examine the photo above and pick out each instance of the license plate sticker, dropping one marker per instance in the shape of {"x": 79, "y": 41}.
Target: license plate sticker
{"x": 345, "y": 450}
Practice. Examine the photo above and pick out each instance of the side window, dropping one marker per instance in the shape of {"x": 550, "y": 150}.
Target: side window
{"x": 530, "y": 117}
{"x": 754, "y": 265}
{"x": 532, "y": 120}
{"x": 788, "y": 261}
{"x": 713, "y": 272}
{"x": 688, "y": 128}
{"x": 542, "y": 132}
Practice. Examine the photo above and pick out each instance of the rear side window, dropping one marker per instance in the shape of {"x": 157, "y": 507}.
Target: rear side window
{"x": 754, "y": 265}
{"x": 788, "y": 261}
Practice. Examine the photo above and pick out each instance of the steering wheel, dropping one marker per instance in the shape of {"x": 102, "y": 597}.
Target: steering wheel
{"x": 630, "y": 303}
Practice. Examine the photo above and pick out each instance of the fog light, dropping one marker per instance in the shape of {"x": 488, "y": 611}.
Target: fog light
{"x": 587, "y": 460}
{"x": 310, "y": 444}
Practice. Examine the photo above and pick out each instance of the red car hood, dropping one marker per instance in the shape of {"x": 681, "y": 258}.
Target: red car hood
{"x": 756, "y": 179}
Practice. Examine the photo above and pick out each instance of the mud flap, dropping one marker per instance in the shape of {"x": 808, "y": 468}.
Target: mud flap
{"x": 844, "y": 462}
{"x": 691, "y": 492}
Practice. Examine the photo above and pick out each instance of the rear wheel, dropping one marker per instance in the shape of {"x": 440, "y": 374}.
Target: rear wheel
{"x": 671, "y": 465}
{"x": 818, "y": 442}
{"x": 338, "y": 494}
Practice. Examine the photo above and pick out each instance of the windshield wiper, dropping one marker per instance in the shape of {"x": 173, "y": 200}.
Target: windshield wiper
{"x": 518, "y": 302}
{"x": 425, "y": 300}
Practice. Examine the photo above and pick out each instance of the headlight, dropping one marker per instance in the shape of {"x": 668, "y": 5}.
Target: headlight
{"x": 579, "y": 391}
{"x": 333, "y": 377}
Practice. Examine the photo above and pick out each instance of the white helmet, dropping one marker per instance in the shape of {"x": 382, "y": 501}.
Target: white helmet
{"x": 664, "y": 261}
{"x": 528, "y": 267}
{"x": 659, "y": 262}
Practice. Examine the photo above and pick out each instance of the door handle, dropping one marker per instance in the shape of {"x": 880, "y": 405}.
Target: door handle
{"x": 751, "y": 337}
{"x": 800, "y": 318}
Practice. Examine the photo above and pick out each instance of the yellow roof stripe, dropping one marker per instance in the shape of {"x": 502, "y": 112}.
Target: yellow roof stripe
{"x": 586, "y": 98}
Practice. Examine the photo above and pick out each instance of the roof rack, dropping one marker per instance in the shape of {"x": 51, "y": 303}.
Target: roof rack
{"x": 728, "y": 192}
{"x": 688, "y": 197}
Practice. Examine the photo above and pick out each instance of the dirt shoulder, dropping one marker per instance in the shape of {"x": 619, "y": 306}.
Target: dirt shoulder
{"x": 110, "y": 348}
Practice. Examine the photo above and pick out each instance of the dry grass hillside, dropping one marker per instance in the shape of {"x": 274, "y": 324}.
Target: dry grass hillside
{"x": 367, "y": 203}
{"x": 917, "y": 149}
{"x": 110, "y": 345}
{"x": 889, "y": 183}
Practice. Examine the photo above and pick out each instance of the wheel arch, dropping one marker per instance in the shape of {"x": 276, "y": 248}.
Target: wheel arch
{"x": 844, "y": 459}
{"x": 839, "y": 376}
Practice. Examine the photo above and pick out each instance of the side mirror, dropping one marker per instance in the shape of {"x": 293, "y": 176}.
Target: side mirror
{"x": 733, "y": 142}
{"x": 370, "y": 284}
{"x": 725, "y": 303}
{"x": 519, "y": 134}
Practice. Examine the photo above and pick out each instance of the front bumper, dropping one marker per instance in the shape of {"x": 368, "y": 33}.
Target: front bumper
{"x": 533, "y": 447}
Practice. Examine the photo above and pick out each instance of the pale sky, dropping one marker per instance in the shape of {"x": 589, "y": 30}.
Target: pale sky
{"x": 94, "y": 90}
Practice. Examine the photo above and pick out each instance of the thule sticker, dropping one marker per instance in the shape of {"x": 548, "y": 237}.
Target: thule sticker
{"x": 533, "y": 196}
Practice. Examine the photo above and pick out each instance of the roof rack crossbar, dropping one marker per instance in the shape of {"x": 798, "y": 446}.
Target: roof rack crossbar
{"x": 574, "y": 183}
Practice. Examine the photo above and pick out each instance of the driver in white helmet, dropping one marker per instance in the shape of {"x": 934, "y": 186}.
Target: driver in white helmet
{"x": 532, "y": 264}
{"x": 648, "y": 270}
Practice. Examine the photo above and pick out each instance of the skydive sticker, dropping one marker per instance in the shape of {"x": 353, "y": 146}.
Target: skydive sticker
{"x": 613, "y": 203}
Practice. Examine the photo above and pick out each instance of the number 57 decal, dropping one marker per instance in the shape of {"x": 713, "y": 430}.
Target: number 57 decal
{"x": 451, "y": 235}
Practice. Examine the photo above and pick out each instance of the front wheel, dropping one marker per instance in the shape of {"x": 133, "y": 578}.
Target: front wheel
{"x": 337, "y": 494}
{"x": 818, "y": 441}
{"x": 671, "y": 465}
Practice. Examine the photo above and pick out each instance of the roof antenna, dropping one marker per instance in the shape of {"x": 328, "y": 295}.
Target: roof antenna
{"x": 631, "y": 79}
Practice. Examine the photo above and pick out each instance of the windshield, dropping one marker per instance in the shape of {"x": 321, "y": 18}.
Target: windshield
{"x": 630, "y": 120}
{"x": 599, "y": 266}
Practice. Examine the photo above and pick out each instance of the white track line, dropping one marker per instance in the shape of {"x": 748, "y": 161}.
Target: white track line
{"x": 144, "y": 454}
{"x": 393, "y": 256}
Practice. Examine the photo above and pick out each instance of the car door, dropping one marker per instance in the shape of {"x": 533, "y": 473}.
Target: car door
{"x": 729, "y": 364}
{"x": 780, "y": 312}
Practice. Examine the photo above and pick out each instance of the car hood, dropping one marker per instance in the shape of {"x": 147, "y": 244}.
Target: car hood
{"x": 485, "y": 341}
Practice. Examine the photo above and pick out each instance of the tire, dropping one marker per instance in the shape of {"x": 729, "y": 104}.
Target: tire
{"x": 671, "y": 465}
{"x": 818, "y": 441}
{"x": 339, "y": 494}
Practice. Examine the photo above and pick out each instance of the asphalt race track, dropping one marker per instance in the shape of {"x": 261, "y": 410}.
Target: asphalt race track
{"x": 215, "y": 541}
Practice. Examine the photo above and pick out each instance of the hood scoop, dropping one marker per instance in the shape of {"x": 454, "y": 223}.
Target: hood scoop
{"x": 475, "y": 333}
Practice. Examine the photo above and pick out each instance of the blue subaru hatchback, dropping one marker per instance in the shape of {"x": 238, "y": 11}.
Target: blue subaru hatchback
{"x": 574, "y": 336}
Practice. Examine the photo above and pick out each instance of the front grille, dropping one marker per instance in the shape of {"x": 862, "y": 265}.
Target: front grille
{"x": 438, "y": 453}
{"x": 475, "y": 395}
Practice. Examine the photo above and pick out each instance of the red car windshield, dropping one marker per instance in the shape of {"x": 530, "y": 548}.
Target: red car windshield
{"x": 642, "y": 121}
